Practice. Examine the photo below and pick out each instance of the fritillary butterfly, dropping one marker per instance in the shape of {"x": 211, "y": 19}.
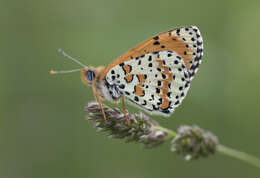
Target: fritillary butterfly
{"x": 155, "y": 75}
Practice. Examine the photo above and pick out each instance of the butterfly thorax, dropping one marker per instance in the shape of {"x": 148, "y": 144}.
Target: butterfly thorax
{"x": 108, "y": 91}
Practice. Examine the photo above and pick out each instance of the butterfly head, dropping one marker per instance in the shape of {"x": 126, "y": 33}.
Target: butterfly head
{"x": 91, "y": 74}
{"x": 87, "y": 75}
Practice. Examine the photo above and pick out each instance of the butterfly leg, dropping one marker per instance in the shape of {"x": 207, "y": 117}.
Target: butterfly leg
{"x": 102, "y": 109}
{"x": 97, "y": 98}
{"x": 124, "y": 109}
{"x": 94, "y": 91}
{"x": 118, "y": 106}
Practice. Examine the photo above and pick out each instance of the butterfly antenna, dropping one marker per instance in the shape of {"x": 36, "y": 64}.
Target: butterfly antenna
{"x": 71, "y": 58}
{"x": 52, "y": 72}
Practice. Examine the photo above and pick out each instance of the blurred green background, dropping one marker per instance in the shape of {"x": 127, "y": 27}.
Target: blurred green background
{"x": 43, "y": 132}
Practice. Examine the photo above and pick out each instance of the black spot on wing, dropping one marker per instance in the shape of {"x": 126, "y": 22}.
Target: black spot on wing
{"x": 144, "y": 103}
{"x": 156, "y": 43}
{"x": 156, "y": 38}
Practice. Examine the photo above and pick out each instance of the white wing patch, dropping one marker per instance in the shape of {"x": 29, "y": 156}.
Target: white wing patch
{"x": 157, "y": 82}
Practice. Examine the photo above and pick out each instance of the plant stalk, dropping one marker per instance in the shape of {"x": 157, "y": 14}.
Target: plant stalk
{"x": 242, "y": 156}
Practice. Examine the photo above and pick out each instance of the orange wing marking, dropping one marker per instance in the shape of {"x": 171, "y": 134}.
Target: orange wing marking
{"x": 165, "y": 101}
{"x": 129, "y": 78}
{"x": 138, "y": 89}
{"x": 127, "y": 69}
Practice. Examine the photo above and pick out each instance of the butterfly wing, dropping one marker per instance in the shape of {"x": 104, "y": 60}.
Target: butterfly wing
{"x": 157, "y": 82}
{"x": 185, "y": 41}
{"x": 156, "y": 74}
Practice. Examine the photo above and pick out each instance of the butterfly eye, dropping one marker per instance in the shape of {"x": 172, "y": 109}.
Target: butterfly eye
{"x": 90, "y": 75}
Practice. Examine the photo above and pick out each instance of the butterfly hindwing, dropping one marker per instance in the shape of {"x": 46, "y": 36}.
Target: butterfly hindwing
{"x": 157, "y": 81}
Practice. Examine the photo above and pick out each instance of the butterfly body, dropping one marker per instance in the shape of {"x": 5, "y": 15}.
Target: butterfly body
{"x": 155, "y": 75}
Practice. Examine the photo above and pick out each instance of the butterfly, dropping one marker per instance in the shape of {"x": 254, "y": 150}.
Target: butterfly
{"x": 155, "y": 75}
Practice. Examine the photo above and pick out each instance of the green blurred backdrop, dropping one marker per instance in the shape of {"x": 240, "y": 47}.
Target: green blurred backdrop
{"x": 42, "y": 128}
